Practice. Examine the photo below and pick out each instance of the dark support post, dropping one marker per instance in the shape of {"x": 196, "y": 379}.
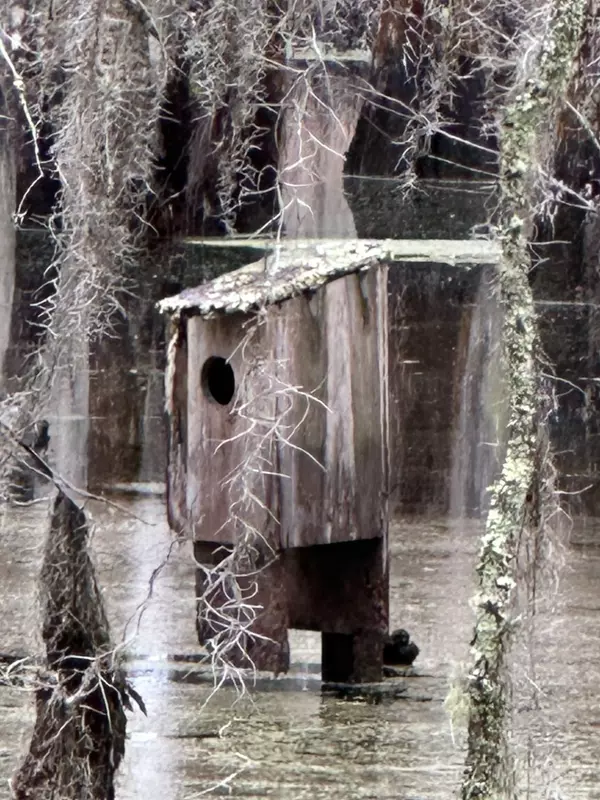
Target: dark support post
{"x": 368, "y": 656}
{"x": 352, "y": 658}
{"x": 269, "y": 650}
{"x": 341, "y": 590}
{"x": 337, "y": 657}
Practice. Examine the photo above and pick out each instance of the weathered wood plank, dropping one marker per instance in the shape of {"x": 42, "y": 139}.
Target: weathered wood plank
{"x": 230, "y": 481}
{"x": 354, "y": 481}
{"x": 334, "y": 474}
{"x": 369, "y": 393}
{"x": 300, "y": 330}
{"x": 328, "y": 483}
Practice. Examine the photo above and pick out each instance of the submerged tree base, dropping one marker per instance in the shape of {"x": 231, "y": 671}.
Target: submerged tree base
{"x": 79, "y": 734}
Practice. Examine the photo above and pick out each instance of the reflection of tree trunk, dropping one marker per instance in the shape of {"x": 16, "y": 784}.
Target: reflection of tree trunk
{"x": 7, "y": 232}
{"x": 79, "y": 734}
{"x": 489, "y": 770}
{"x": 481, "y": 414}
{"x": 69, "y": 416}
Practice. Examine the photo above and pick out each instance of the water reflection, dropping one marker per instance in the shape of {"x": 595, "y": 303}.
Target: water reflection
{"x": 298, "y": 743}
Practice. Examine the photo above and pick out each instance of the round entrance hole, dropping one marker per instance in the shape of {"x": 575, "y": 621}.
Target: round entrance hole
{"x": 218, "y": 380}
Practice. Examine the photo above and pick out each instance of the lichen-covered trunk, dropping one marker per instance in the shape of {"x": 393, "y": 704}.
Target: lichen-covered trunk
{"x": 527, "y": 132}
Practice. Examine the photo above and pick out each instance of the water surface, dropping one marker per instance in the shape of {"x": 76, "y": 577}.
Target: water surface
{"x": 285, "y": 739}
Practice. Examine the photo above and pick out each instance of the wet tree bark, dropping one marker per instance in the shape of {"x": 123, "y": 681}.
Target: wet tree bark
{"x": 7, "y": 228}
{"x": 79, "y": 735}
{"x": 527, "y": 129}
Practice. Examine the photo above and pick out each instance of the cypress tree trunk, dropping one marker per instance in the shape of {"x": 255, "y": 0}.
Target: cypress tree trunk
{"x": 79, "y": 735}
{"x": 527, "y": 127}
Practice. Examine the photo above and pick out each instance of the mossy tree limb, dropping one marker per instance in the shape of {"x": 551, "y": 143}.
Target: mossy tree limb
{"x": 526, "y": 133}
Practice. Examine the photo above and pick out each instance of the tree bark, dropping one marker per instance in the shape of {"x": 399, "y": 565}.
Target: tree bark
{"x": 525, "y": 126}
{"x": 7, "y": 229}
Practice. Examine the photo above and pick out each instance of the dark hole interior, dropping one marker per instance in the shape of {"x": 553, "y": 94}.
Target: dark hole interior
{"x": 218, "y": 380}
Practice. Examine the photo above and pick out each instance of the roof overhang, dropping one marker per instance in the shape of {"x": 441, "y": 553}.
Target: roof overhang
{"x": 290, "y": 267}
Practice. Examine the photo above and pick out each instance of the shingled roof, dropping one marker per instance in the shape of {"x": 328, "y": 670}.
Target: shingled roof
{"x": 292, "y": 267}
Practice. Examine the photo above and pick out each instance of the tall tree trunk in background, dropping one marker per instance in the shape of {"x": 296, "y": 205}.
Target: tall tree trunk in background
{"x": 527, "y": 127}
{"x": 7, "y": 229}
{"x": 318, "y": 127}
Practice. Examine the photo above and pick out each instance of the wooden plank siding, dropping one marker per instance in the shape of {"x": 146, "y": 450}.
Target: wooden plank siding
{"x": 335, "y": 347}
{"x": 355, "y": 483}
{"x": 225, "y": 490}
{"x": 329, "y": 482}
{"x": 300, "y": 330}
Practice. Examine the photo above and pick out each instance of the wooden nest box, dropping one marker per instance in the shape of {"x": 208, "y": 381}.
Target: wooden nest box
{"x": 278, "y": 403}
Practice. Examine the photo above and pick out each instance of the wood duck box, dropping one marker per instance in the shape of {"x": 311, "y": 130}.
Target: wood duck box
{"x": 278, "y": 466}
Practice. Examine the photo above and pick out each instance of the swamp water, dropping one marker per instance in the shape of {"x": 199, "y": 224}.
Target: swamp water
{"x": 285, "y": 739}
